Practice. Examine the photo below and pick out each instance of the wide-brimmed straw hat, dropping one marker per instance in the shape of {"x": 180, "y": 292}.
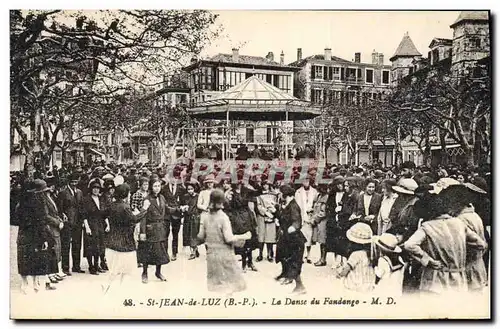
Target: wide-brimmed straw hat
{"x": 360, "y": 233}
{"x": 475, "y": 188}
{"x": 406, "y": 186}
{"x": 442, "y": 184}
{"x": 388, "y": 243}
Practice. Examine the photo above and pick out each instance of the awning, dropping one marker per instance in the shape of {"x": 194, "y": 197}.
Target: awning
{"x": 102, "y": 155}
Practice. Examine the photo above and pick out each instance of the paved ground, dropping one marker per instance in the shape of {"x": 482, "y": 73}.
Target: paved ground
{"x": 82, "y": 296}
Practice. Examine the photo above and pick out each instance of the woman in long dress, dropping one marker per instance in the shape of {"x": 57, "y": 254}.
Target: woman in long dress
{"x": 33, "y": 237}
{"x": 266, "y": 217}
{"x": 95, "y": 224}
{"x": 223, "y": 273}
{"x": 191, "y": 224}
{"x": 121, "y": 247}
{"x": 153, "y": 248}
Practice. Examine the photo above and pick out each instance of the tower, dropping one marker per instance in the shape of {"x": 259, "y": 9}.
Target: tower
{"x": 403, "y": 58}
{"x": 471, "y": 39}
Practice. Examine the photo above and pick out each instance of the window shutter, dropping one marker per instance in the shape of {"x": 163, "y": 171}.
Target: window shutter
{"x": 312, "y": 72}
{"x": 325, "y": 73}
{"x": 342, "y": 73}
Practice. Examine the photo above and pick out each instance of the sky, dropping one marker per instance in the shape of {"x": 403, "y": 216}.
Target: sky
{"x": 259, "y": 32}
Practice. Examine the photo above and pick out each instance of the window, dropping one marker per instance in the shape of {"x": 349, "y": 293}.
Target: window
{"x": 385, "y": 77}
{"x": 272, "y": 133}
{"x": 327, "y": 73}
{"x": 475, "y": 43}
{"x": 359, "y": 75}
{"x": 316, "y": 96}
{"x": 317, "y": 72}
{"x": 276, "y": 81}
{"x": 369, "y": 76}
{"x": 249, "y": 135}
{"x": 351, "y": 74}
{"x": 269, "y": 78}
{"x": 248, "y": 75}
{"x": 336, "y": 73}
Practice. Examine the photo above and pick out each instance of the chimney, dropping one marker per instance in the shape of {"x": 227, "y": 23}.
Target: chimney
{"x": 270, "y": 56}
{"x": 380, "y": 59}
{"x": 235, "y": 55}
{"x": 357, "y": 57}
{"x": 282, "y": 58}
{"x": 299, "y": 54}
{"x": 328, "y": 54}
{"x": 374, "y": 57}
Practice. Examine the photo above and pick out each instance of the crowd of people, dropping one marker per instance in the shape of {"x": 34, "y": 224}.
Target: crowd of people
{"x": 393, "y": 230}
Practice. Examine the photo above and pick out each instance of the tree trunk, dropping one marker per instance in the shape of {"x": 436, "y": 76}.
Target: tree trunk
{"x": 444, "y": 154}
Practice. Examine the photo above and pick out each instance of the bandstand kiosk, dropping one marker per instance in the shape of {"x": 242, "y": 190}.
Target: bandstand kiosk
{"x": 252, "y": 100}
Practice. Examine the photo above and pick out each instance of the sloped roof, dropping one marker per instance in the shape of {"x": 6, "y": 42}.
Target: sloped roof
{"x": 255, "y": 89}
{"x": 471, "y": 16}
{"x": 320, "y": 57}
{"x": 440, "y": 41}
{"x": 243, "y": 59}
{"x": 406, "y": 48}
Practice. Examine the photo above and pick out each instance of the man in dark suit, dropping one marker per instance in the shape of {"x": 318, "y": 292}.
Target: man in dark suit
{"x": 70, "y": 201}
{"x": 173, "y": 192}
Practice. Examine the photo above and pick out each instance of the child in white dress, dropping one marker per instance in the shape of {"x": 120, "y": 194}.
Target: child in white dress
{"x": 390, "y": 267}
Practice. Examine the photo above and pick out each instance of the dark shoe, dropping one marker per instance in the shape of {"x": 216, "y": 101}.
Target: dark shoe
{"x": 197, "y": 253}
{"x": 94, "y": 272}
{"x": 100, "y": 269}
{"x": 160, "y": 276}
{"x": 279, "y": 277}
{"x": 104, "y": 266}
{"x": 144, "y": 278}
{"x": 320, "y": 263}
{"x": 259, "y": 258}
{"x": 58, "y": 277}
{"x": 287, "y": 281}
{"x": 68, "y": 273}
{"x": 49, "y": 287}
{"x": 139, "y": 265}
{"x": 173, "y": 258}
{"x": 253, "y": 268}
{"x": 270, "y": 259}
{"x": 308, "y": 261}
{"x": 53, "y": 279}
{"x": 77, "y": 270}
{"x": 192, "y": 256}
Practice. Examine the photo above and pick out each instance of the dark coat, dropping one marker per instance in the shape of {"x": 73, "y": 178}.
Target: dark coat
{"x": 373, "y": 208}
{"x": 71, "y": 205}
{"x": 337, "y": 224}
{"x": 290, "y": 246}
{"x": 156, "y": 219}
{"x": 94, "y": 244}
{"x": 156, "y": 226}
{"x": 122, "y": 223}
{"x": 288, "y": 242}
{"x": 173, "y": 200}
{"x": 242, "y": 219}
{"x": 191, "y": 225}
{"x": 31, "y": 259}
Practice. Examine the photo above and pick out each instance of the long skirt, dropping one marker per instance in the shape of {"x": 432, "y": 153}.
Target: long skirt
{"x": 307, "y": 230}
{"x": 31, "y": 262}
{"x": 152, "y": 253}
{"x": 223, "y": 273}
{"x": 190, "y": 230}
{"x": 93, "y": 245}
{"x": 319, "y": 233}
{"x": 266, "y": 231}
{"x": 336, "y": 239}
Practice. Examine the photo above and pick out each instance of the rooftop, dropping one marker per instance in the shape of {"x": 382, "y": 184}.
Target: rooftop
{"x": 406, "y": 48}
{"x": 440, "y": 41}
{"x": 320, "y": 57}
{"x": 471, "y": 16}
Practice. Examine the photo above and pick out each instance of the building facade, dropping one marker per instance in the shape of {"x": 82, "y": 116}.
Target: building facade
{"x": 210, "y": 77}
{"x": 325, "y": 79}
{"x": 469, "y": 46}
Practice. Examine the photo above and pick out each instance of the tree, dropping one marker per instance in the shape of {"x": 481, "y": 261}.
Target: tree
{"x": 66, "y": 68}
{"x": 457, "y": 104}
